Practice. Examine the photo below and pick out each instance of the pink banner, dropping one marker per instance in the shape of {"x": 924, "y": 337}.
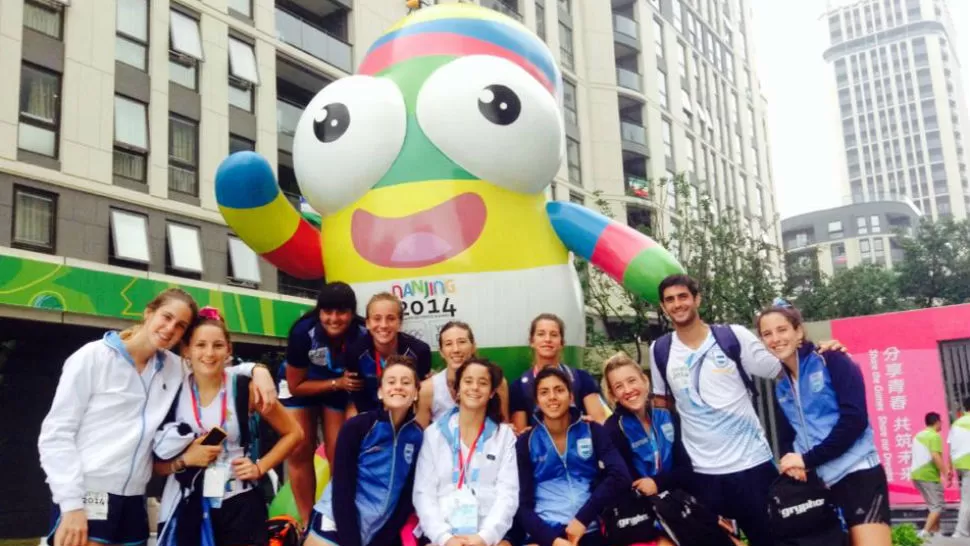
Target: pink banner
{"x": 900, "y": 360}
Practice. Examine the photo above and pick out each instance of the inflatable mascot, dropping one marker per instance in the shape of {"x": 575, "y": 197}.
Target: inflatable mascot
{"x": 428, "y": 169}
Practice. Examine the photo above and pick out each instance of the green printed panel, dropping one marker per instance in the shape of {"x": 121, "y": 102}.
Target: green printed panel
{"x": 59, "y": 287}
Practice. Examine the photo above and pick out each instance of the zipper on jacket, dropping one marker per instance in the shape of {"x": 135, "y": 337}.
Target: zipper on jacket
{"x": 798, "y": 401}
{"x": 390, "y": 486}
{"x": 141, "y": 434}
{"x": 563, "y": 458}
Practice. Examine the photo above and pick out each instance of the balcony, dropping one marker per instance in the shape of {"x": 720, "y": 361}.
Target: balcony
{"x": 628, "y": 79}
{"x": 631, "y": 131}
{"x": 287, "y": 117}
{"x": 306, "y": 37}
{"x": 503, "y": 7}
{"x": 635, "y": 186}
{"x": 625, "y": 32}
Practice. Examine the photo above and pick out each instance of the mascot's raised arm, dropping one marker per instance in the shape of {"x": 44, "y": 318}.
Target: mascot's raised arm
{"x": 428, "y": 168}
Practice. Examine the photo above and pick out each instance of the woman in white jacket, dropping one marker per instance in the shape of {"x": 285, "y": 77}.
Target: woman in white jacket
{"x": 466, "y": 486}
{"x": 95, "y": 443}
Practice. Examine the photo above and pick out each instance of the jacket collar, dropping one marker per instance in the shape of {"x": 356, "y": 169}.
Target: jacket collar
{"x": 448, "y": 425}
{"x": 574, "y": 414}
{"x": 113, "y": 340}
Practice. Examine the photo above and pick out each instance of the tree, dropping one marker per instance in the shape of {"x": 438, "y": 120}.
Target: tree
{"x": 734, "y": 267}
{"x": 866, "y": 289}
{"x": 936, "y": 265}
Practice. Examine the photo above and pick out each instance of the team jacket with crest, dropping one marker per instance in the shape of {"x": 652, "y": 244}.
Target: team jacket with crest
{"x": 556, "y": 488}
{"x": 826, "y": 420}
{"x": 369, "y": 497}
{"x": 657, "y": 454}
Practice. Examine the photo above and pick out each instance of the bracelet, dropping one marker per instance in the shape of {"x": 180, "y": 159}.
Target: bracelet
{"x": 333, "y": 385}
{"x": 178, "y": 466}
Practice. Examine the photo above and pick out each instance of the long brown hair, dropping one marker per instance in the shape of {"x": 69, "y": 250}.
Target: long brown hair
{"x": 165, "y": 296}
{"x": 493, "y": 410}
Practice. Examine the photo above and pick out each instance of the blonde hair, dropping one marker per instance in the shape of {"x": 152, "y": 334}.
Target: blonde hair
{"x": 613, "y": 363}
{"x": 165, "y": 296}
{"x": 384, "y": 296}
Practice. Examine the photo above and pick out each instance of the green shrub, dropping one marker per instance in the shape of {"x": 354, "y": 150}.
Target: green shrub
{"x": 906, "y": 535}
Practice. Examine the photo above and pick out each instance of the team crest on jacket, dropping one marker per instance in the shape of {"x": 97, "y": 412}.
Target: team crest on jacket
{"x": 408, "y": 453}
{"x": 668, "y": 430}
{"x": 584, "y": 446}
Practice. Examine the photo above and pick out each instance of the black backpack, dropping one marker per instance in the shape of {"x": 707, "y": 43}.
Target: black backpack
{"x": 687, "y": 522}
{"x": 725, "y": 338}
{"x": 802, "y": 513}
{"x": 631, "y": 520}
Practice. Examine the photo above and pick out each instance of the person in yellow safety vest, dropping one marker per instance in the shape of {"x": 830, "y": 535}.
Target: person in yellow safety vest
{"x": 959, "y": 440}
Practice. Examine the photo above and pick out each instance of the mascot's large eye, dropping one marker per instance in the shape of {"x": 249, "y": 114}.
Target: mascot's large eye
{"x": 347, "y": 139}
{"x": 495, "y": 120}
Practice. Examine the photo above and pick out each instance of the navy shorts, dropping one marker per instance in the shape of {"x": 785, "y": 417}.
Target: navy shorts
{"x": 315, "y": 528}
{"x": 336, "y": 401}
{"x": 127, "y": 522}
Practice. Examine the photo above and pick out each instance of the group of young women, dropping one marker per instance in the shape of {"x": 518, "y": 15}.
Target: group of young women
{"x": 458, "y": 458}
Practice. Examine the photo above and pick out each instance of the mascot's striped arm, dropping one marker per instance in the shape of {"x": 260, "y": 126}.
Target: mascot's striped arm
{"x": 623, "y": 253}
{"x": 254, "y": 207}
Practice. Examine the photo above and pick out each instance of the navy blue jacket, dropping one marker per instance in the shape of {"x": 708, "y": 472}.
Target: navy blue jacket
{"x": 828, "y": 421}
{"x": 309, "y": 347}
{"x": 640, "y": 450}
{"x": 369, "y": 495}
{"x": 359, "y": 358}
{"x": 555, "y": 488}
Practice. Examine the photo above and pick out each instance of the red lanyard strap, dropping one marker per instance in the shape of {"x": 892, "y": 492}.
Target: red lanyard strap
{"x": 378, "y": 363}
{"x": 196, "y": 407}
{"x": 462, "y": 464}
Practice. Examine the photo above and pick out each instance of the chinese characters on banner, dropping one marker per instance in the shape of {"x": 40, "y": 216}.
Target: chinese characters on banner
{"x": 899, "y": 356}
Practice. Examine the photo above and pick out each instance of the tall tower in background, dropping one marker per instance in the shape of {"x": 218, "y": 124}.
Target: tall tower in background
{"x": 902, "y": 107}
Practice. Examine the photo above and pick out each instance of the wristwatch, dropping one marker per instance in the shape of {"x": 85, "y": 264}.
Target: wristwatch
{"x": 178, "y": 466}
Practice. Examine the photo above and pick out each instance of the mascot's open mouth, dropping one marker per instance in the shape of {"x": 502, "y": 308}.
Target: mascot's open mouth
{"x": 423, "y": 238}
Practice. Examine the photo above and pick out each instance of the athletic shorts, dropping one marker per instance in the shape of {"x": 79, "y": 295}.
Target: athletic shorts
{"x": 932, "y": 493}
{"x": 127, "y": 522}
{"x": 336, "y": 401}
{"x": 316, "y": 528}
{"x": 863, "y": 497}
{"x": 240, "y": 521}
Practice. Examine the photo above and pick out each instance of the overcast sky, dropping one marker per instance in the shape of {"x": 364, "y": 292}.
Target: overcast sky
{"x": 790, "y": 37}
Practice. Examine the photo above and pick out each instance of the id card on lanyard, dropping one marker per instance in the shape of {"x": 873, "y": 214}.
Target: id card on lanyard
{"x": 215, "y": 482}
{"x": 463, "y": 507}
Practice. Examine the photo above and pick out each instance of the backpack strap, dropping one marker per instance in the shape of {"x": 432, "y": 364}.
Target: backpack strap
{"x": 661, "y": 354}
{"x": 240, "y": 385}
{"x": 727, "y": 340}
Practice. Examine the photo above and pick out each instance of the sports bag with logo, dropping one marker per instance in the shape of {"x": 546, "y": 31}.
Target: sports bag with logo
{"x": 802, "y": 514}
{"x": 630, "y": 521}
{"x": 687, "y": 522}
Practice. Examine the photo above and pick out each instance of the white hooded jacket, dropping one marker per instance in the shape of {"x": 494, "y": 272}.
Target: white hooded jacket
{"x": 97, "y": 436}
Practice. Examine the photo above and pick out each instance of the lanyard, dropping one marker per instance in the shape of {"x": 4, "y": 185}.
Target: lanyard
{"x": 462, "y": 464}
{"x": 196, "y": 408}
{"x": 657, "y": 461}
{"x": 379, "y": 363}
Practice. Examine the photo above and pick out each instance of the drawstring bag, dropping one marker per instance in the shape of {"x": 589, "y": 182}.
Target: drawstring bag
{"x": 630, "y": 521}
{"x": 687, "y": 522}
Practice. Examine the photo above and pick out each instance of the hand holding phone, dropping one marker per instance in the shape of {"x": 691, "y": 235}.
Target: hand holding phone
{"x": 214, "y": 437}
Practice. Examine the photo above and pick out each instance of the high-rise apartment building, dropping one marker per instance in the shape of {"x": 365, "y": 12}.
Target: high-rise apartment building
{"x": 116, "y": 114}
{"x": 901, "y": 103}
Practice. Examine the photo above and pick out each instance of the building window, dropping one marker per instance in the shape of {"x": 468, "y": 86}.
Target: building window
{"x": 44, "y": 17}
{"x": 678, "y": 15}
{"x": 689, "y": 155}
{"x": 682, "y": 60}
{"x": 566, "y": 46}
{"x": 862, "y": 228}
{"x": 835, "y": 229}
{"x": 240, "y": 144}
{"x": 541, "y": 22}
{"x": 131, "y": 39}
{"x": 243, "y": 74}
{"x": 569, "y": 102}
{"x": 131, "y": 139}
{"x": 839, "y": 260}
{"x": 34, "y": 217}
{"x": 574, "y": 160}
{"x": 243, "y": 262}
{"x": 578, "y": 198}
{"x": 874, "y": 223}
{"x": 39, "y": 110}
{"x": 184, "y": 249}
{"x": 183, "y": 153}
{"x": 565, "y": 5}
{"x": 878, "y": 247}
{"x": 865, "y": 249}
{"x": 667, "y": 138}
{"x": 658, "y": 38}
{"x": 242, "y": 7}
{"x": 670, "y": 181}
{"x": 185, "y": 50}
{"x": 293, "y": 286}
{"x": 129, "y": 236}
{"x": 662, "y": 88}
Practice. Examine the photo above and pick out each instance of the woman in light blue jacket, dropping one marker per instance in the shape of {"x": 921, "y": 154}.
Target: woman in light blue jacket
{"x": 826, "y": 427}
